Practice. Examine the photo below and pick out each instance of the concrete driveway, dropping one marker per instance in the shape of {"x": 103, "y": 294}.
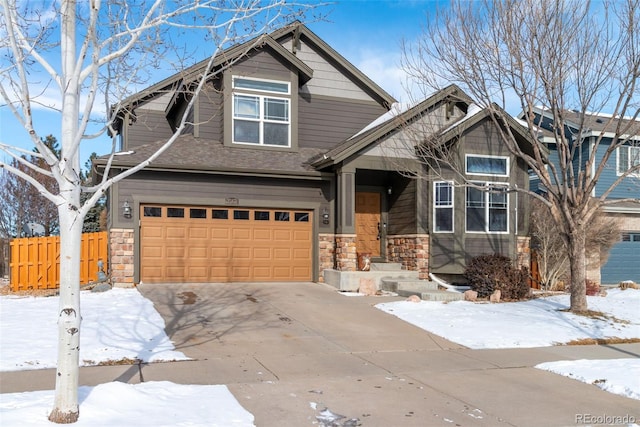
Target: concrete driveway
{"x": 289, "y": 350}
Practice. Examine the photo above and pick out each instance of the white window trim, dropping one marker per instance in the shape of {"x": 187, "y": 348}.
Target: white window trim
{"x": 466, "y": 165}
{"x": 452, "y": 207}
{"x": 628, "y": 165}
{"x": 261, "y": 95}
{"x": 242, "y": 89}
{"x": 486, "y": 207}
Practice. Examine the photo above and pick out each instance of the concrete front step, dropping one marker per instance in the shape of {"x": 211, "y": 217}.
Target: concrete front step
{"x": 386, "y": 266}
{"x": 394, "y": 285}
{"x": 425, "y": 289}
{"x": 350, "y": 280}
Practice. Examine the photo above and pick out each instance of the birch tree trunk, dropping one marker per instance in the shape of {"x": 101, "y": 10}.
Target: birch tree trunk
{"x": 65, "y": 409}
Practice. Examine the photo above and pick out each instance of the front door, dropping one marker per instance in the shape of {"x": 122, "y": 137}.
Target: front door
{"x": 368, "y": 223}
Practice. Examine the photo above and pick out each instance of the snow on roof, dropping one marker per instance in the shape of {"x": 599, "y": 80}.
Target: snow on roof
{"x": 397, "y": 108}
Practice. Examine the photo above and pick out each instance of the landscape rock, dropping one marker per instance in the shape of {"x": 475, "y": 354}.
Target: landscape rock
{"x": 495, "y": 296}
{"x": 102, "y": 287}
{"x": 367, "y": 287}
{"x": 470, "y": 295}
{"x": 414, "y": 298}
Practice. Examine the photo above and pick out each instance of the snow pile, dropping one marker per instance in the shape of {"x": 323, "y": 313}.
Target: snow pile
{"x": 118, "y": 324}
{"x": 540, "y": 322}
{"x": 153, "y": 404}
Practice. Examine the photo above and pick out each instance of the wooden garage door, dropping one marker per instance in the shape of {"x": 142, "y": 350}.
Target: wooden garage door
{"x": 183, "y": 244}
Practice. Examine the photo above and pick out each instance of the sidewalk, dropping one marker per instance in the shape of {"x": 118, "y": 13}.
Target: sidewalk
{"x": 287, "y": 351}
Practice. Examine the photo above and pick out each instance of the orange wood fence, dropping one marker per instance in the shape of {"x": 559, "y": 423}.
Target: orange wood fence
{"x": 35, "y": 261}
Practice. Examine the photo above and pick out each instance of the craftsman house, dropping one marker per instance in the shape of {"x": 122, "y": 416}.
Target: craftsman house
{"x": 295, "y": 164}
{"x": 623, "y": 203}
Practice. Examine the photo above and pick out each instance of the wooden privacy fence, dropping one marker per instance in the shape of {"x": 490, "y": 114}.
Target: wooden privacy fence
{"x": 35, "y": 261}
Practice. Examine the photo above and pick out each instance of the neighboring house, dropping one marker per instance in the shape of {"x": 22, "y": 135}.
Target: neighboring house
{"x": 296, "y": 163}
{"x": 622, "y": 262}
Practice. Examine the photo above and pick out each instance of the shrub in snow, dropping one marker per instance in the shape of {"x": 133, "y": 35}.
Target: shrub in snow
{"x": 487, "y": 273}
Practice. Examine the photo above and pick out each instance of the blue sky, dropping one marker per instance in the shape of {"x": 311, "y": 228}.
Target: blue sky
{"x": 367, "y": 33}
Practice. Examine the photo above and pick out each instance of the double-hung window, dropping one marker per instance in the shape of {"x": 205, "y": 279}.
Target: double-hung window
{"x": 628, "y": 157}
{"x": 443, "y": 206}
{"x": 487, "y": 208}
{"x": 261, "y": 112}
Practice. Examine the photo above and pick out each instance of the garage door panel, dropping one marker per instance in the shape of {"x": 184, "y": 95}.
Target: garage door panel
{"x": 198, "y": 232}
{"x": 282, "y": 235}
{"x": 248, "y": 245}
{"x": 201, "y": 252}
{"x": 175, "y": 232}
{"x": 262, "y": 234}
{"x": 175, "y": 252}
{"x": 152, "y": 231}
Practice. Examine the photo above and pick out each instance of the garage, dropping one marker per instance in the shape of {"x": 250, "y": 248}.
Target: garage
{"x": 196, "y": 244}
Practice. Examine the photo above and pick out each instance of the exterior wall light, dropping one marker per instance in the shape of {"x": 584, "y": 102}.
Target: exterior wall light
{"x": 126, "y": 209}
{"x": 389, "y": 190}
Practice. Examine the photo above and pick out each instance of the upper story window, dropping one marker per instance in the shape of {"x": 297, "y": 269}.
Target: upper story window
{"x": 486, "y": 165}
{"x": 261, "y": 112}
{"x": 443, "y": 206}
{"x": 628, "y": 157}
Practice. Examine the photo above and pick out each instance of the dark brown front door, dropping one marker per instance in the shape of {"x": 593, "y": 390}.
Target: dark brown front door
{"x": 368, "y": 223}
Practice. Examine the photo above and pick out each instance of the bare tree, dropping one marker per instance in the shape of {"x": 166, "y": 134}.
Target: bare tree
{"x": 85, "y": 50}
{"x": 20, "y": 203}
{"x": 566, "y": 56}
{"x": 551, "y": 250}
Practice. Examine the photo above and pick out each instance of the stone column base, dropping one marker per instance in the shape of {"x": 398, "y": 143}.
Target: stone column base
{"x": 121, "y": 256}
{"x": 411, "y": 250}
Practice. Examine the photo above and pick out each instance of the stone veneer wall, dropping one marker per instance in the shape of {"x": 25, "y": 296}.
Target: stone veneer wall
{"x": 326, "y": 253}
{"x": 121, "y": 256}
{"x": 345, "y": 251}
{"x": 523, "y": 252}
{"x": 412, "y": 251}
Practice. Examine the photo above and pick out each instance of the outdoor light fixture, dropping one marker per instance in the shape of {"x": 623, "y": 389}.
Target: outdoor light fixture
{"x": 325, "y": 216}
{"x": 126, "y": 209}
{"x": 389, "y": 190}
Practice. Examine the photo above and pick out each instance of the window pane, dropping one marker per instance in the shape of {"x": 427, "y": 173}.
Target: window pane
{"x": 282, "y": 216}
{"x": 197, "y": 213}
{"x": 260, "y": 85}
{"x": 175, "y": 212}
{"x": 244, "y": 131}
{"x": 444, "y": 194}
{"x": 276, "y": 109}
{"x": 301, "y": 217}
{"x": 475, "y": 210}
{"x": 220, "y": 214}
{"x": 497, "y": 219}
{"x": 246, "y": 107}
{"x": 240, "y": 214}
{"x": 444, "y": 219}
{"x": 623, "y": 159}
{"x": 152, "y": 211}
{"x": 276, "y": 134}
{"x": 261, "y": 215}
{"x": 475, "y": 219}
{"x": 635, "y": 156}
{"x": 486, "y": 165}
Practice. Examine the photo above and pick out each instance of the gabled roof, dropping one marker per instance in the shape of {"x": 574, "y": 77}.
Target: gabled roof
{"x": 595, "y": 123}
{"x": 272, "y": 40}
{"x": 300, "y": 30}
{"x": 224, "y": 57}
{"x": 476, "y": 115}
{"x": 387, "y": 123}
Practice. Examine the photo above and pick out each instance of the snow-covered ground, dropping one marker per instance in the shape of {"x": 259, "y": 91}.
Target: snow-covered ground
{"x": 539, "y": 323}
{"x": 121, "y": 324}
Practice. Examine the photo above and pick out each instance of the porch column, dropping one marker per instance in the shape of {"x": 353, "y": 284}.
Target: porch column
{"x": 346, "y": 202}
{"x": 346, "y": 257}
